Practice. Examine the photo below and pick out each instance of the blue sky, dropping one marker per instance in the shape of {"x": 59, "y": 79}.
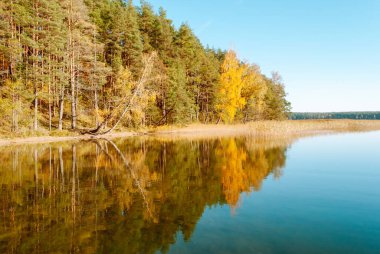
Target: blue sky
{"x": 328, "y": 51}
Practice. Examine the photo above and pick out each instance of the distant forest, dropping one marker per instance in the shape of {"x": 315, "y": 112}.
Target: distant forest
{"x": 337, "y": 115}
{"x": 97, "y": 65}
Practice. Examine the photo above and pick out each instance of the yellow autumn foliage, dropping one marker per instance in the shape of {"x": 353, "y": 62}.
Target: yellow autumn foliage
{"x": 228, "y": 94}
{"x": 242, "y": 89}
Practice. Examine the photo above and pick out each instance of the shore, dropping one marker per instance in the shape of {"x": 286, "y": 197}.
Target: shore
{"x": 52, "y": 139}
{"x": 290, "y": 128}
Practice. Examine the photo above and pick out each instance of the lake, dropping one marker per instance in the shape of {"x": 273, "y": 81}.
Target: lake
{"x": 176, "y": 195}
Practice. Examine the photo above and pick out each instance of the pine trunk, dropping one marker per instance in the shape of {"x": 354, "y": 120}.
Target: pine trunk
{"x": 72, "y": 69}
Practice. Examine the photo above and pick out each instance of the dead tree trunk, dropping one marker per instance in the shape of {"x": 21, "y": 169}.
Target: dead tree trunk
{"x": 127, "y": 104}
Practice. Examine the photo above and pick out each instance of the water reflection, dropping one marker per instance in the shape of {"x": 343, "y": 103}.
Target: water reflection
{"x": 123, "y": 196}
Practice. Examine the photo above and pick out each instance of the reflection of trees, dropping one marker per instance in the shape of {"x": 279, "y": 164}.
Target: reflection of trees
{"x": 244, "y": 166}
{"x": 231, "y": 162}
{"x": 125, "y": 196}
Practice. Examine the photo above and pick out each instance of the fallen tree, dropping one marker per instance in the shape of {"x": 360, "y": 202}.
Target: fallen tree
{"x": 128, "y": 102}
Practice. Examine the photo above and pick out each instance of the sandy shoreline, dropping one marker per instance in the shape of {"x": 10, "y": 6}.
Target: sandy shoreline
{"x": 52, "y": 139}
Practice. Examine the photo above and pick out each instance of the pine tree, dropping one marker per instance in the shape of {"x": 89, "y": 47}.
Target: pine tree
{"x": 179, "y": 102}
{"x": 191, "y": 52}
{"x": 276, "y": 105}
{"x": 209, "y": 80}
{"x": 123, "y": 43}
{"x": 131, "y": 41}
{"x": 165, "y": 38}
{"x": 149, "y": 27}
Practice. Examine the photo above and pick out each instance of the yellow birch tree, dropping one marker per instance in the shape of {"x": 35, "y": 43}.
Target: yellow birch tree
{"x": 228, "y": 93}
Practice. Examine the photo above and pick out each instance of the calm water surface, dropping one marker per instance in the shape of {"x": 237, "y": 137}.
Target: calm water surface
{"x": 225, "y": 195}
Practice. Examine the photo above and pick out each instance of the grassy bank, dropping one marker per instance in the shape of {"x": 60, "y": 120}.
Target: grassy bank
{"x": 275, "y": 129}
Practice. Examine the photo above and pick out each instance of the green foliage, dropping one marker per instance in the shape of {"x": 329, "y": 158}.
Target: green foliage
{"x": 179, "y": 100}
{"x": 277, "y": 107}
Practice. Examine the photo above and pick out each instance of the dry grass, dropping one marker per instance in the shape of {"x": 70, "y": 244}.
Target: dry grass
{"x": 307, "y": 127}
{"x": 291, "y": 128}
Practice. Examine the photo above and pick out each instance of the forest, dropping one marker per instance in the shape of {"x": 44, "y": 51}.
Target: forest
{"x": 93, "y": 66}
{"x": 337, "y": 115}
